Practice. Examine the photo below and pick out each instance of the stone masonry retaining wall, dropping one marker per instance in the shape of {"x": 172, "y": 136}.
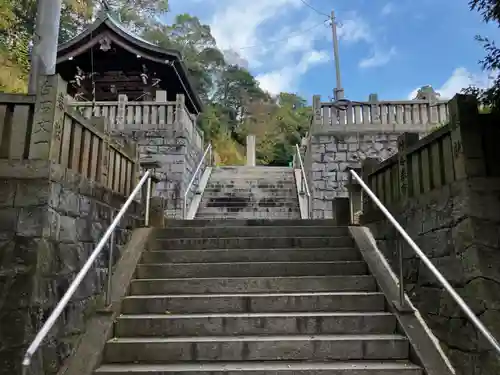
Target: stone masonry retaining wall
{"x": 178, "y": 157}
{"x": 457, "y": 228}
{"x": 444, "y": 190}
{"x": 331, "y": 155}
{"x": 50, "y": 220}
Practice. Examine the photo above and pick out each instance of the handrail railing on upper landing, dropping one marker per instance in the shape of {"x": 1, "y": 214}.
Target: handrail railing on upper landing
{"x": 61, "y": 305}
{"x": 439, "y": 276}
{"x": 208, "y": 151}
{"x": 303, "y": 187}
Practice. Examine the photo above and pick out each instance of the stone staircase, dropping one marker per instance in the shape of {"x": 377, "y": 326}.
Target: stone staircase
{"x": 250, "y": 193}
{"x": 258, "y": 297}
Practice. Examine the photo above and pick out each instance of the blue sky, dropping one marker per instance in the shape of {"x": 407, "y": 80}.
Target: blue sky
{"x": 388, "y": 47}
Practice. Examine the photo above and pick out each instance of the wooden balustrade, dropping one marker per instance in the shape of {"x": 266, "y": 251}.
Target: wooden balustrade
{"x": 43, "y": 127}
{"x": 16, "y": 117}
{"x": 86, "y": 149}
{"x": 464, "y": 148}
{"x": 419, "y": 167}
{"x": 145, "y": 115}
{"x": 374, "y": 112}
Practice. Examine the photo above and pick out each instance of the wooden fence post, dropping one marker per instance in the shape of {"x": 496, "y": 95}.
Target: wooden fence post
{"x": 405, "y": 140}
{"x": 367, "y": 166}
{"x": 48, "y": 119}
{"x": 466, "y": 137}
{"x": 121, "y": 112}
{"x": 179, "y": 112}
{"x": 317, "y": 119}
{"x": 374, "y": 109}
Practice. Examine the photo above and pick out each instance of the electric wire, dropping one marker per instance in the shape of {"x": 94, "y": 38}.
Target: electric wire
{"x": 314, "y": 9}
{"x": 290, "y": 36}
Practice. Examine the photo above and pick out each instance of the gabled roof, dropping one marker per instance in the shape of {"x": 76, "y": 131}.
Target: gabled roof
{"x": 105, "y": 24}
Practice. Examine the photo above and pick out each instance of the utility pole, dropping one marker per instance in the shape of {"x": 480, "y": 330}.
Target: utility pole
{"x": 44, "y": 52}
{"x": 338, "y": 92}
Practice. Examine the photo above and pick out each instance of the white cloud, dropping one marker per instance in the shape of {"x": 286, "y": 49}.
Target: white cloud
{"x": 379, "y": 58}
{"x": 236, "y": 25}
{"x": 388, "y": 8}
{"x": 285, "y": 79}
{"x": 460, "y": 79}
{"x": 266, "y": 34}
{"x": 354, "y": 29}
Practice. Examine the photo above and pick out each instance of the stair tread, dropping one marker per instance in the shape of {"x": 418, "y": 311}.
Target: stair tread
{"x": 254, "y": 262}
{"x": 255, "y": 315}
{"x": 325, "y": 337}
{"x": 161, "y": 239}
{"x": 284, "y": 294}
{"x": 262, "y": 366}
{"x": 254, "y": 277}
{"x": 268, "y": 249}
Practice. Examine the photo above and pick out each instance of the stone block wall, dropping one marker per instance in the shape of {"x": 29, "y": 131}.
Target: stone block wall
{"x": 446, "y": 195}
{"x": 50, "y": 221}
{"x": 177, "y": 156}
{"x": 329, "y": 156}
{"x": 457, "y": 228}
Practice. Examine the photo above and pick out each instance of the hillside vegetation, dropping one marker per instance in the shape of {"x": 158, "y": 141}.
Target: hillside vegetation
{"x": 235, "y": 104}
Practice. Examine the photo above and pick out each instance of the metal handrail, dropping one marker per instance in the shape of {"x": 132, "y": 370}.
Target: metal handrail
{"x": 208, "y": 151}
{"x": 463, "y": 305}
{"x": 303, "y": 172}
{"x": 49, "y": 323}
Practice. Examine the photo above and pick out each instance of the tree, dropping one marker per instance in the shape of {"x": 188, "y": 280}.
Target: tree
{"x": 235, "y": 105}
{"x": 490, "y": 97}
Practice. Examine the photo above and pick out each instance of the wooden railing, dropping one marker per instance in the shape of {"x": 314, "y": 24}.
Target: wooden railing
{"x": 419, "y": 167}
{"x": 374, "y": 112}
{"x": 42, "y": 127}
{"x": 16, "y": 117}
{"x": 464, "y": 148}
{"x": 144, "y": 115}
{"x": 86, "y": 149}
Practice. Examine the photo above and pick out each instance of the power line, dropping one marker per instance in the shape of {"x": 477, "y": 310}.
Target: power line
{"x": 315, "y": 9}
{"x": 291, "y": 35}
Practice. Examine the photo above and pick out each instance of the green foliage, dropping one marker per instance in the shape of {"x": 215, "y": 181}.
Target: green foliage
{"x": 490, "y": 97}
{"x": 235, "y": 105}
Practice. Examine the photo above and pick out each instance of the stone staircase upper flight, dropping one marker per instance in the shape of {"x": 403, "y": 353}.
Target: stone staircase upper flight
{"x": 255, "y": 297}
{"x": 250, "y": 193}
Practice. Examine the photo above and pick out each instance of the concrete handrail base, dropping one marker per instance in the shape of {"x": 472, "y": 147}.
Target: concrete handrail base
{"x": 99, "y": 328}
{"x": 425, "y": 345}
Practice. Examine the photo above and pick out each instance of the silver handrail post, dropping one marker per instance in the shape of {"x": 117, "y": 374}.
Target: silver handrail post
{"x": 61, "y": 305}
{"x": 459, "y": 300}
{"x": 110, "y": 265}
{"x": 402, "y": 302}
{"x": 208, "y": 151}
{"x": 148, "y": 202}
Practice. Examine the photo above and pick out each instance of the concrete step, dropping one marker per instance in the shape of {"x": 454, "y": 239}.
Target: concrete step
{"x": 255, "y": 348}
{"x": 270, "y": 207}
{"x": 255, "y": 212}
{"x": 308, "y": 323}
{"x": 254, "y": 184}
{"x": 245, "y": 202}
{"x": 258, "y": 269}
{"x": 358, "y": 283}
{"x": 267, "y": 368}
{"x": 247, "y": 192}
{"x": 254, "y": 302}
{"x": 259, "y": 215}
{"x": 170, "y": 223}
{"x": 251, "y": 231}
{"x": 250, "y": 255}
{"x": 250, "y": 243}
